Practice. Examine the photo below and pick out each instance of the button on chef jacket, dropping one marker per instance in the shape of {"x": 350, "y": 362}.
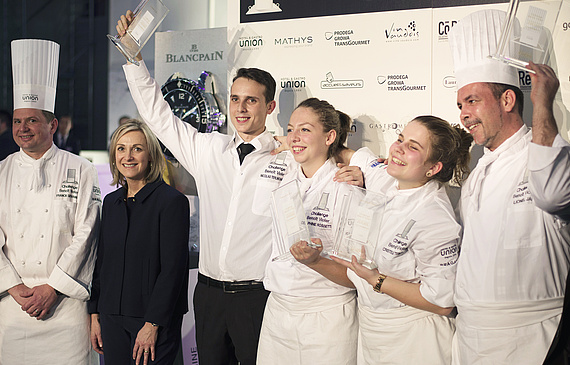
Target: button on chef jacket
{"x": 47, "y": 237}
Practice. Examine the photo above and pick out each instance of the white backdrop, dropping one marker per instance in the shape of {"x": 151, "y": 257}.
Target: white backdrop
{"x": 381, "y": 68}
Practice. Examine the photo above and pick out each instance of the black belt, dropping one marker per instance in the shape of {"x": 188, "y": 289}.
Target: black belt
{"x": 231, "y": 287}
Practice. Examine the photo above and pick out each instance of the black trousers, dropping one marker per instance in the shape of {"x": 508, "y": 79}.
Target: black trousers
{"x": 227, "y": 325}
{"x": 120, "y": 332}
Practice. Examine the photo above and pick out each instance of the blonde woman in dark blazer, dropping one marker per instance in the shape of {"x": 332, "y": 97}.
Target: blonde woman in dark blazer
{"x": 140, "y": 282}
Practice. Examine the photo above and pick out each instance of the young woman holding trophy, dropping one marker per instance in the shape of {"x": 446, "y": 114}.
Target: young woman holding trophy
{"x": 308, "y": 318}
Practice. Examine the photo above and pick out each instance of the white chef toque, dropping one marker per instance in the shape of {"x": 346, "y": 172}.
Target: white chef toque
{"x": 34, "y": 70}
{"x": 472, "y": 40}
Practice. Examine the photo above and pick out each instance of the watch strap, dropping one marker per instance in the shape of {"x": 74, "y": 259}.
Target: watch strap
{"x": 378, "y": 287}
{"x": 206, "y": 80}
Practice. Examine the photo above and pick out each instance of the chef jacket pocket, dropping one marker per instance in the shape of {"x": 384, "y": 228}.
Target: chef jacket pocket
{"x": 524, "y": 227}
{"x": 65, "y": 215}
{"x": 262, "y": 197}
{"x": 402, "y": 267}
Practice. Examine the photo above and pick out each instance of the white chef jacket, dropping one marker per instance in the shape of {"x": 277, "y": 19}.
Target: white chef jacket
{"x": 290, "y": 277}
{"x": 515, "y": 252}
{"x": 309, "y": 319}
{"x": 235, "y": 219}
{"x": 48, "y": 236}
{"x": 417, "y": 243}
{"x": 427, "y": 251}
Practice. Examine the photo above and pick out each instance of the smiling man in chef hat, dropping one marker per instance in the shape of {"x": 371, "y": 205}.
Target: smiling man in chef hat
{"x": 514, "y": 207}
{"x": 49, "y": 219}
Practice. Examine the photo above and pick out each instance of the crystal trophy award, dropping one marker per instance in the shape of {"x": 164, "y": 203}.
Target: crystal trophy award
{"x": 359, "y": 226}
{"x": 289, "y": 219}
{"x": 527, "y": 32}
{"x": 146, "y": 18}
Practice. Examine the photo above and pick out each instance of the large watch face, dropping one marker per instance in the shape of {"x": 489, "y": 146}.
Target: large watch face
{"x": 186, "y": 102}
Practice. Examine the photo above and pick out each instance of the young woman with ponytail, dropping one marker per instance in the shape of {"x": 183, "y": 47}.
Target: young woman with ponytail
{"x": 309, "y": 319}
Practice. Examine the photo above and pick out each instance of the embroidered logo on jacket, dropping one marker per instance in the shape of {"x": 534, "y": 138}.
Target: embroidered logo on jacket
{"x": 522, "y": 194}
{"x": 69, "y": 188}
{"x": 399, "y": 244}
{"x": 320, "y": 215}
{"x": 276, "y": 169}
{"x": 449, "y": 255}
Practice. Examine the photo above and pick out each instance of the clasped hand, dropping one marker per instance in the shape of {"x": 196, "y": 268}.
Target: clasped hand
{"x": 36, "y": 301}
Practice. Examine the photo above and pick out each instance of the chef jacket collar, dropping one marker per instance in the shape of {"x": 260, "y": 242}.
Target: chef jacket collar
{"x": 414, "y": 194}
{"x": 144, "y": 193}
{"x": 509, "y": 142}
{"x": 319, "y": 178}
{"x": 261, "y": 142}
{"x": 39, "y": 178}
{"x": 48, "y": 155}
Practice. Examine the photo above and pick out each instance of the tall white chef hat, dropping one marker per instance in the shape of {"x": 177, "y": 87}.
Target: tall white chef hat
{"x": 472, "y": 40}
{"x": 34, "y": 71}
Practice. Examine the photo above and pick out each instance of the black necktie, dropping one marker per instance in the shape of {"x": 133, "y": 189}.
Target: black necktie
{"x": 243, "y": 150}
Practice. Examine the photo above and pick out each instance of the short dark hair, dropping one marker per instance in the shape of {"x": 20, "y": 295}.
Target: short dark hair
{"x": 499, "y": 89}
{"x": 260, "y": 76}
{"x": 48, "y": 115}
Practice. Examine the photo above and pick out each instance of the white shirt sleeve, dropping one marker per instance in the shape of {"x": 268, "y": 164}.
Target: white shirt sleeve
{"x": 436, "y": 250}
{"x": 362, "y": 158}
{"x": 8, "y": 275}
{"x": 179, "y": 137}
{"x": 549, "y": 176}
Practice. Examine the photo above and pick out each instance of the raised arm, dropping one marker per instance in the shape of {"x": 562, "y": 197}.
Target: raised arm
{"x": 549, "y": 154}
{"x": 180, "y": 137}
{"x": 544, "y": 87}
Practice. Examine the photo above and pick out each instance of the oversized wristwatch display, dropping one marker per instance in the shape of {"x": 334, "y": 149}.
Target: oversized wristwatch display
{"x": 194, "y": 102}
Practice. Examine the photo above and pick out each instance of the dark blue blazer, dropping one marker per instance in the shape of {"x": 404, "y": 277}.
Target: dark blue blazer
{"x": 142, "y": 257}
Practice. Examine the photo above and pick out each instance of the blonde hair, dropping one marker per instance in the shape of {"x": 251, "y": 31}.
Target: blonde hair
{"x": 156, "y": 160}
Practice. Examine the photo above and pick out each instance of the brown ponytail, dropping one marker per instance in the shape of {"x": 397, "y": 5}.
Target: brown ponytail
{"x": 331, "y": 119}
{"x": 450, "y": 145}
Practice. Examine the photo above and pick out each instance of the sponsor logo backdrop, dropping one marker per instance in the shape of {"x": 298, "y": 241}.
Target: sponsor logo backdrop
{"x": 383, "y": 65}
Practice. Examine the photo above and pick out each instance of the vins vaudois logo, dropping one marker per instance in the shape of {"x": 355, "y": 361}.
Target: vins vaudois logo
{"x": 402, "y": 33}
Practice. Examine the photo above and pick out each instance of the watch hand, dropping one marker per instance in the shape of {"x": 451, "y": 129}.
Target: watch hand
{"x": 189, "y": 112}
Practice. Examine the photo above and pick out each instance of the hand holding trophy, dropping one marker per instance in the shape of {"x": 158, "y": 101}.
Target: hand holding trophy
{"x": 135, "y": 29}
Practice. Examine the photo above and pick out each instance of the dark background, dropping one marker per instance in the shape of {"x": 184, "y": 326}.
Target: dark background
{"x": 294, "y": 9}
{"x": 79, "y": 26}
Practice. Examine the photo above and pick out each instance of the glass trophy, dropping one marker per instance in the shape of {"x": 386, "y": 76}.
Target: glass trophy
{"x": 289, "y": 219}
{"x": 359, "y": 226}
{"x": 146, "y": 18}
{"x": 527, "y": 34}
